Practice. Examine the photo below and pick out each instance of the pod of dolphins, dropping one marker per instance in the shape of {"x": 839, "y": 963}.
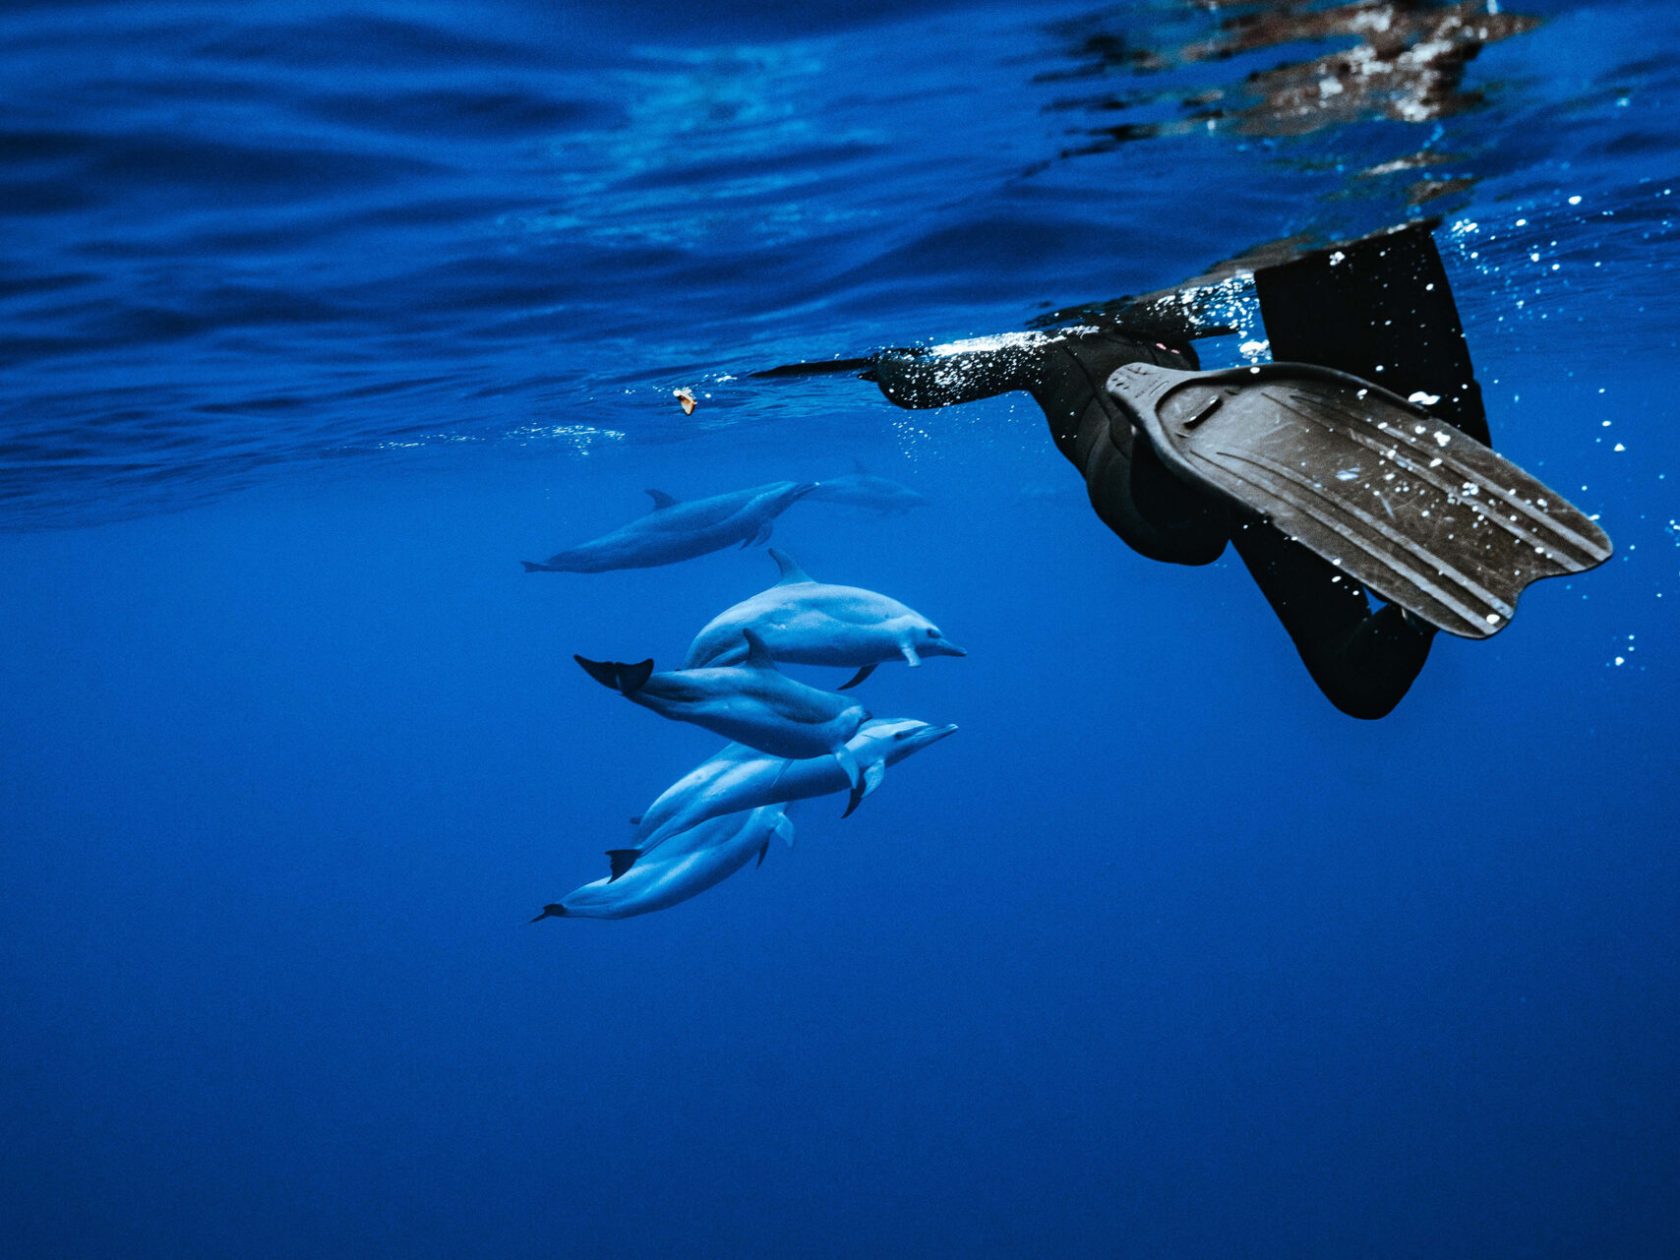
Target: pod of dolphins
{"x": 790, "y": 741}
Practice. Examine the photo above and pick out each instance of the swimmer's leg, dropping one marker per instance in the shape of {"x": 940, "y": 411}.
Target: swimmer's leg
{"x": 1134, "y": 494}
{"x": 1363, "y": 661}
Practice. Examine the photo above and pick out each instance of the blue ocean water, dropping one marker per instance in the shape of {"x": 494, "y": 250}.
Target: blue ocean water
{"x": 316, "y": 319}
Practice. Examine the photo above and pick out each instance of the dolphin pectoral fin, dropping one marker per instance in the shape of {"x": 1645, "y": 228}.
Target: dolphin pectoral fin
{"x": 784, "y": 829}
{"x": 848, "y": 763}
{"x": 758, "y": 655}
{"x": 660, "y": 499}
{"x": 910, "y": 655}
{"x": 763, "y": 536}
{"x": 763, "y": 850}
{"x": 555, "y": 911}
{"x": 872, "y": 776}
{"x": 789, "y": 570}
{"x": 627, "y": 679}
{"x": 621, "y": 860}
{"x": 858, "y": 677}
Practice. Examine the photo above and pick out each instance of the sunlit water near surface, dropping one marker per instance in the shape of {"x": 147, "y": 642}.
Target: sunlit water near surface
{"x": 314, "y": 322}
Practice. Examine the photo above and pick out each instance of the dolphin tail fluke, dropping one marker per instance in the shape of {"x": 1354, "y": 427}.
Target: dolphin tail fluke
{"x": 555, "y": 911}
{"x": 603, "y": 672}
{"x": 871, "y": 780}
{"x": 621, "y": 860}
{"x": 627, "y": 679}
{"x": 858, "y": 677}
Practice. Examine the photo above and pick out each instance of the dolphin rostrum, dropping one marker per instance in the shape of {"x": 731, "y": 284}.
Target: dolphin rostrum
{"x": 805, "y": 622}
{"x": 686, "y": 866}
{"x": 738, "y": 779}
{"x": 862, "y": 489}
{"x": 752, "y": 703}
{"x": 675, "y": 531}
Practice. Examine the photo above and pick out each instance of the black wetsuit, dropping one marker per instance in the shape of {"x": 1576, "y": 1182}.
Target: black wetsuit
{"x": 1363, "y": 659}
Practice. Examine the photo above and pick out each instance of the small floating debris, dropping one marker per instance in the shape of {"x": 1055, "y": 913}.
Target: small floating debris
{"x": 686, "y": 398}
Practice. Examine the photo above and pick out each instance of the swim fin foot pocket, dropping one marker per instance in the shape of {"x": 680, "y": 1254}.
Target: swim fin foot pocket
{"x": 1151, "y": 510}
{"x": 1424, "y": 515}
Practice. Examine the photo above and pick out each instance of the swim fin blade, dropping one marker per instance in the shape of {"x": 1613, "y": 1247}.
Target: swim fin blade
{"x": 1424, "y": 515}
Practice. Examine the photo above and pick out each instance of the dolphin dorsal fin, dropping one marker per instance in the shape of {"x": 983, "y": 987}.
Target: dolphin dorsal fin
{"x": 758, "y": 656}
{"x": 660, "y": 499}
{"x": 789, "y": 569}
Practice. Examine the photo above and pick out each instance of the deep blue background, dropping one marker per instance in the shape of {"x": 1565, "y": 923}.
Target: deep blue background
{"x": 313, "y": 325}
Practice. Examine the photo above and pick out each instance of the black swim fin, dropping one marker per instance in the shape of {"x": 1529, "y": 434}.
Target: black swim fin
{"x": 1423, "y": 514}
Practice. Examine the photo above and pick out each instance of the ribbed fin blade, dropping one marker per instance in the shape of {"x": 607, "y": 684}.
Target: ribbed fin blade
{"x": 1424, "y": 515}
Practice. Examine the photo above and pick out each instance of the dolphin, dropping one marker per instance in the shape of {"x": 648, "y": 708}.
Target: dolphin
{"x": 675, "y": 531}
{"x": 739, "y": 778}
{"x": 752, "y": 703}
{"x": 862, "y": 489}
{"x": 686, "y": 866}
{"x": 805, "y": 622}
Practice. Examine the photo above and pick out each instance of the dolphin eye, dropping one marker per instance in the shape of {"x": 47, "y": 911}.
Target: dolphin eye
{"x": 932, "y": 633}
{"x": 902, "y": 734}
